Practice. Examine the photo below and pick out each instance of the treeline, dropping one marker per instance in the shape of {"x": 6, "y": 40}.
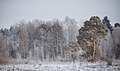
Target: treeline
{"x": 53, "y": 40}
{"x": 38, "y": 40}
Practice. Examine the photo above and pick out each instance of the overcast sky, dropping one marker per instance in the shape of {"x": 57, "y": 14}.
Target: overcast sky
{"x": 16, "y": 10}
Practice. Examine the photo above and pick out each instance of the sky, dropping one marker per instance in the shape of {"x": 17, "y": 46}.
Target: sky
{"x": 12, "y": 11}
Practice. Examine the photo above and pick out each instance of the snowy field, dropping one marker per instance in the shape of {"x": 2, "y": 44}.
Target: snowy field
{"x": 60, "y": 67}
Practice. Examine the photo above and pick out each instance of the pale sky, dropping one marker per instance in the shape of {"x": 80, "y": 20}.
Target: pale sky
{"x": 12, "y": 11}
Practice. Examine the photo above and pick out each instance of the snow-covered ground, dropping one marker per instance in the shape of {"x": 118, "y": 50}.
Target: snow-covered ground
{"x": 60, "y": 67}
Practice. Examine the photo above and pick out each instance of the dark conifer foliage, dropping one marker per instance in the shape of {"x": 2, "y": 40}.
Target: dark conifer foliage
{"x": 117, "y": 25}
{"x": 107, "y": 22}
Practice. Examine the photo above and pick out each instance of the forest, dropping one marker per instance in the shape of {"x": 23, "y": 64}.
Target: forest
{"x": 59, "y": 41}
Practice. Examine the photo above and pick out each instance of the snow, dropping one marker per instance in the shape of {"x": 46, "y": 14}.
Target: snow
{"x": 85, "y": 66}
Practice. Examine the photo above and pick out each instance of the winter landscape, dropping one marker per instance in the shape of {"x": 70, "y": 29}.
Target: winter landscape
{"x": 92, "y": 44}
{"x": 55, "y": 46}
